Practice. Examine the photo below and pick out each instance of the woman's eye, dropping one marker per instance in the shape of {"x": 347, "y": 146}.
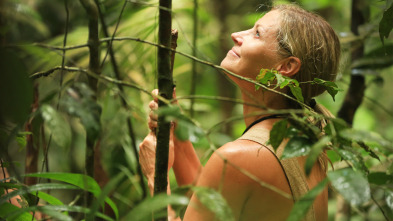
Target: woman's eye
{"x": 257, "y": 34}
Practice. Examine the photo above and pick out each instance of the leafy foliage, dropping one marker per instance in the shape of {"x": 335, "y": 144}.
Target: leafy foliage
{"x": 386, "y": 23}
{"x": 367, "y": 154}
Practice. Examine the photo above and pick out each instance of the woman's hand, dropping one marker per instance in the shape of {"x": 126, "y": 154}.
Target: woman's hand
{"x": 147, "y": 149}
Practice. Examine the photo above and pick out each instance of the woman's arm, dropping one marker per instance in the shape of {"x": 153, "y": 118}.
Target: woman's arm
{"x": 186, "y": 166}
{"x": 186, "y": 162}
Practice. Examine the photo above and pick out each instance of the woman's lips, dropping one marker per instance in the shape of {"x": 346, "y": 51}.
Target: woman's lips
{"x": 233, "y": 52}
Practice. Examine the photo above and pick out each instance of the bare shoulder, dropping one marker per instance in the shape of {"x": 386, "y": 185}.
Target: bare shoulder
{"x": 255, "y": 159}
{"x": 240, "y": 170}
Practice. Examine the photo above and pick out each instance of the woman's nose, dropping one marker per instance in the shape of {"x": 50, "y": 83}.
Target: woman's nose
{"x": 236, "y": 37}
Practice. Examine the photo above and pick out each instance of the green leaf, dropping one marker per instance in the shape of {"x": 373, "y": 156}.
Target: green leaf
{"x": 48, "y": 198}
{"x": 21, "y": 138}
{"x": 57, "y": 125}
{"x": 353, "y": 158}
{"x": 389, "y": 198}
{"x": 330, "y": 86}
{"x": 32, "y": 189}
{"x": 386, "y": 23}
{"x": 266, "y": 76}
{"x": 56, "y": 212}
{"x": 316, "y": 150}
{"x": 301, "y": 206}
{"x": 110, "y": 186}
{"x": 80, "y": 102}
{"x": 215, "y": 202}
{"x": 84, "y": 182}
{"x": 296, "y": 146}
{"x": 297, "y": 92}
{"x": 7, "y": 208}
{"x": 185, "y": 128}
{"x": 365, "y": 136}
{"x": 352, "y": 185}
{"x": 278, "y": 133}
{"x": 380, "y": 178}
{"x": 143, "y": 211}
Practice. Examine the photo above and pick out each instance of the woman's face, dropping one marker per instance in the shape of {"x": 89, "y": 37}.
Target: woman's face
{"x": 255, "y": 48}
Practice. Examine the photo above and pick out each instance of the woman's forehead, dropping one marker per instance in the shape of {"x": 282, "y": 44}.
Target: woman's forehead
{"x": 269, "y": 21}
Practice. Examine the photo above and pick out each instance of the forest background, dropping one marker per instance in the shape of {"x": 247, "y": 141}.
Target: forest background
{"x": 71, "y": 107}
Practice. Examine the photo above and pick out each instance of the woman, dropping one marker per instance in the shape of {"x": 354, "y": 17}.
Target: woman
{"x": 299, "y": 45}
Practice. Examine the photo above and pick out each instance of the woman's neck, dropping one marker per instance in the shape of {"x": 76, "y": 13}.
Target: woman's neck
{"x": 265, "y": 100}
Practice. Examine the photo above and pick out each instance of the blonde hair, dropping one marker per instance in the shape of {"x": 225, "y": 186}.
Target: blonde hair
{"x": 310, "y": 38}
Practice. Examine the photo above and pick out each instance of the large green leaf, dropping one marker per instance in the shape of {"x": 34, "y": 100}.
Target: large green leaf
{"x": 297, "y": 146}
{"x": 7, "y": 208}
{"x": 301, "y": 206}
{"x": 352, "y": 185}
{"x": 215, "y": 202}
{"x": 144, "y": 210}
{"x": 84, "y": 182}
{"x": 32, "y": 189}
{"x": 57, "y": 125}
{"x": 278, "y": 133}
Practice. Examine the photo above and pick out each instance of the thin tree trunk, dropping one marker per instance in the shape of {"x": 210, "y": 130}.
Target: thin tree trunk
{"x": 165, "y": 87}
{"x": 355, "y": 93}
{"x": 94, "y": 66}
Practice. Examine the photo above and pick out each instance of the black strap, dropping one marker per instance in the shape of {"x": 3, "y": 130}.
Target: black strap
{"x": 262, "y": 119}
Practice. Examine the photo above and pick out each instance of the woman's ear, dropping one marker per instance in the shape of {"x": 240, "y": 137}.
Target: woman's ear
{"x": 289, "y": 66}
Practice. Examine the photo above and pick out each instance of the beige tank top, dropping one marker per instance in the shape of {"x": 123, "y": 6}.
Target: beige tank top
{"x": 292, "y": 170}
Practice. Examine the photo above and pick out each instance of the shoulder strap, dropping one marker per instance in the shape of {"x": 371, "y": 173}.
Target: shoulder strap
{"x": 292, "y": 170}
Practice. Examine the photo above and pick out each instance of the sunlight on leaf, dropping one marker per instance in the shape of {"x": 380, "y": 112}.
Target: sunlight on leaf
{"x": 353, "y": 158}
{"x": 297, "y": 146}
{"x": 57, "y": 125}
{"x": 389, "y": 198}
{"x": 352, "y": 185}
